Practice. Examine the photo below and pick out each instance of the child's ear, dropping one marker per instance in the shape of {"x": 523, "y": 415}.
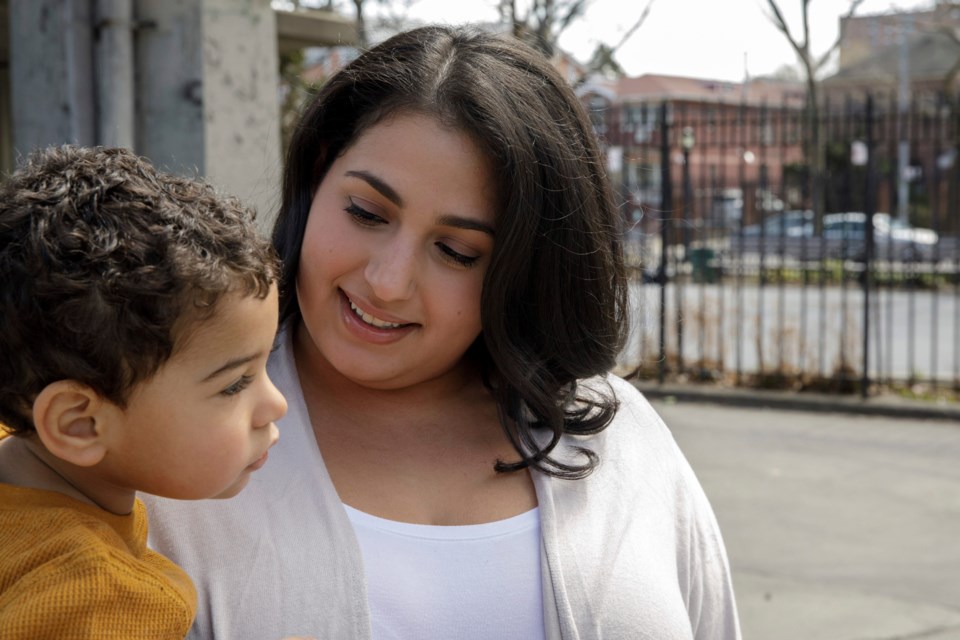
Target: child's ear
{"x": 70, "y": 419}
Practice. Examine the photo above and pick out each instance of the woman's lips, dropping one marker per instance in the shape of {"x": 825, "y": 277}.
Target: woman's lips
{"x": 370, "y": 327}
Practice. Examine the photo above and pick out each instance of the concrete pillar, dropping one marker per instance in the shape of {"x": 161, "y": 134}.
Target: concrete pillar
{"x": 51, "y": 74}
{"x": 241, "y": 102}
{"x": 207, "y": 89}
{"x": 113, "y": 72}
{"x": 6, "y": 123}
{"x": 203, "y": 98}
{"x": 168, "y": 57}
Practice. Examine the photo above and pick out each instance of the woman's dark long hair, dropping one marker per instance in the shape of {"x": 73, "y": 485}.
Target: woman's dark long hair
{"x": 554, "y": 301}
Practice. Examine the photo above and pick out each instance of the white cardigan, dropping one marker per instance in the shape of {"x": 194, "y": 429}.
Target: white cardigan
{"x": 632, "y": 551}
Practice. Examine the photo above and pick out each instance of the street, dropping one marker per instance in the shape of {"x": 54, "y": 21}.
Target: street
{"x": 838, "y": 527}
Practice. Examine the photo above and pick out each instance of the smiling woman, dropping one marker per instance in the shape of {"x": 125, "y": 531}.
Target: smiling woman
{"x": 457, "y": 461}
{"x": 392, "y": 265}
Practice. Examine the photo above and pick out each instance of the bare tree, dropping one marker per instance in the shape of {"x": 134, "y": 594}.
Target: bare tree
{"x": 812, "y": 65}
{"x": 543, "y": 20}
{"x": 603, "y": 58}
{"x": 360, "y": 11}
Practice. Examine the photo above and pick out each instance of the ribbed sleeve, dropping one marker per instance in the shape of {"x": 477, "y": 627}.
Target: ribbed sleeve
{"x": 74, "y": 572}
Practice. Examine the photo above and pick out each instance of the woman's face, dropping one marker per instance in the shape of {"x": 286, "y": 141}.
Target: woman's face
{"x": 396, "y": 245}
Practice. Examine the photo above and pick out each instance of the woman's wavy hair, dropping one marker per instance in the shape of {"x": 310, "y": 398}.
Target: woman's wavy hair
{"x": 106, "y": 266}
{"x": 554, "y": 301}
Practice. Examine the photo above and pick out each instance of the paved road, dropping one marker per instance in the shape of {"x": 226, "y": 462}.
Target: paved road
{"x": 839, "y": 527}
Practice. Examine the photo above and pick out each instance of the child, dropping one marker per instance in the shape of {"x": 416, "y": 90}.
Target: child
{"x": 137, "y": 311}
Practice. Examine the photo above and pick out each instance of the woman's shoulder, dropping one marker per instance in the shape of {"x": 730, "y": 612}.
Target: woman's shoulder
{"x": 638, "y": 458}
{"x": 634, "y": 416}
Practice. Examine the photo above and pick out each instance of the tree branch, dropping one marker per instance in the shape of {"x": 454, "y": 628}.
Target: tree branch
{"x": 781, "y": 24}
{"x": 636, "y": 25}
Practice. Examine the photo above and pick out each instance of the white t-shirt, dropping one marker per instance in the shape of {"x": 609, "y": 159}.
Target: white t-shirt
{"x": 474, "y": 581}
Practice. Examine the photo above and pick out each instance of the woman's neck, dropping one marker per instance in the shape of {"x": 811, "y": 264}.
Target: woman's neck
{"x": 323, "y": 383}
{"x": 421, "y": 454}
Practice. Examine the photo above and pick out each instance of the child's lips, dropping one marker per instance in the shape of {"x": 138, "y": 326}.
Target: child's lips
{"x": 259, "y": 462}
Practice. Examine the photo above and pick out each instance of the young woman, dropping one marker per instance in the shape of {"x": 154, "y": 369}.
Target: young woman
{"x": 456, "y": 461}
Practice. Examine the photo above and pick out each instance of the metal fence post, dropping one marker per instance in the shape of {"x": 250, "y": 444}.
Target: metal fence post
{"x": 666, "y": 205}
{"x": 869, "y": 209}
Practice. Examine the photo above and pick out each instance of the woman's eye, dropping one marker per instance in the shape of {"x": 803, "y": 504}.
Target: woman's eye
{"x": 456, "y": 256}
{"x": 237, "y": 386}
{"x": 362, "y": 216}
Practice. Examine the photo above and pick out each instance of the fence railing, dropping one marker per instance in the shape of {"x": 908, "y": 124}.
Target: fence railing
{"x": 748, "y": 238}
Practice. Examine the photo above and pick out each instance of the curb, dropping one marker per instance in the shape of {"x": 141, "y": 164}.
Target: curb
{"x": 888, "y": 406}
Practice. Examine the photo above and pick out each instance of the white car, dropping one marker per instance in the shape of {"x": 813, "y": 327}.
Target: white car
{"x": 843, "y": 236}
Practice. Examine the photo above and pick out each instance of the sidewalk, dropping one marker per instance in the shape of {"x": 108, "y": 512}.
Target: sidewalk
{"x": 888, "y": 405}
{"x": 837, "y": 526}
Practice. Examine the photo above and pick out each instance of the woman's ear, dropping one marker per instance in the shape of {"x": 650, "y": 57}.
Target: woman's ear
{"x": 70, "y": 420}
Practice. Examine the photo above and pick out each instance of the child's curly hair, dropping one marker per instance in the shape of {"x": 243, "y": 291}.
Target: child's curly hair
{"x": 105, "y": 262}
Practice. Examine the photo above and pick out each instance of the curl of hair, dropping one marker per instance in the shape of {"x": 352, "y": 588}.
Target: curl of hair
{"x": 106, "y": 263}
{"x": 554, "y": 301}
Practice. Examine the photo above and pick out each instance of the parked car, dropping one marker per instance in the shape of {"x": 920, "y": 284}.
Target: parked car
{"x": 794, "y": 223}
{"x": 844, "y": 236}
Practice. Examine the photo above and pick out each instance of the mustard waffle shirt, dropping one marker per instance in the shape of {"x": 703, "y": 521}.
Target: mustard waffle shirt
{"x": 72, "y": 571}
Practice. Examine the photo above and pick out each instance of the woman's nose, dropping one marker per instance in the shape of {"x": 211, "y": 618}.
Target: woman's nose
{"x": 391, "y": 273}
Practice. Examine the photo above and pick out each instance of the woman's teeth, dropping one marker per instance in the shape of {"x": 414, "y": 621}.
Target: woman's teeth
{"x": 373, "y": 320}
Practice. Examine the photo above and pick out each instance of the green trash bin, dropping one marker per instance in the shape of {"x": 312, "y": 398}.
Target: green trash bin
{"x": 703, "y": 264}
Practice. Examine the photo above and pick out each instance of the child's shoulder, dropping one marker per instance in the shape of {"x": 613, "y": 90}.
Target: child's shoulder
{"x": 56, "y": 548}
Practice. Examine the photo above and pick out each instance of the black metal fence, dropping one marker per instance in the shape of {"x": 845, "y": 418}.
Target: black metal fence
{"x": 748, "y": 238}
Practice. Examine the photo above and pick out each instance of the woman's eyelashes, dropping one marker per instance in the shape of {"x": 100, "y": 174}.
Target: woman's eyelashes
{"x": 366, "y": 218}
{"x": 456, "y": 256}
{"x": 362, "y": 216}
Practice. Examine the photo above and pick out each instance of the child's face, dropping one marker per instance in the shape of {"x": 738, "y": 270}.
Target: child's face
{"x": 204, "y": 422}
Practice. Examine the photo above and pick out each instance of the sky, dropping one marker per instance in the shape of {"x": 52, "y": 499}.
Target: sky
{"x": 717, "y": 39}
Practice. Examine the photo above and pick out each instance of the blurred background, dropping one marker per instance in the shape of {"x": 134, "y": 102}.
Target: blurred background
{"x": 751, "y": 143}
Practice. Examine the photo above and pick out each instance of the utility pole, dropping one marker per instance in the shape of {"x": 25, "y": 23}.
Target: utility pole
{"x": 903, "y": 120}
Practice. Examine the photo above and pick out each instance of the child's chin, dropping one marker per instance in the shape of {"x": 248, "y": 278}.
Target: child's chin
{"x": 233, "y": 489}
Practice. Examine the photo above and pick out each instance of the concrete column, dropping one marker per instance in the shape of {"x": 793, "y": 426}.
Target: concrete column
{"x": 241, "y": 102}
{"x": 113, "y": 72}
{"x": 207, "y": 89}
{"x": 6, "y": 130}
{"x": 189, "y": 84}
{"x": 6, "y": 119}
{"x": 51, "y": 74}
{"x": 169, "y": 84}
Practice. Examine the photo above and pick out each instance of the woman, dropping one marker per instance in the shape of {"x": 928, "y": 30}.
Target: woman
{"x": 455, "y": 461}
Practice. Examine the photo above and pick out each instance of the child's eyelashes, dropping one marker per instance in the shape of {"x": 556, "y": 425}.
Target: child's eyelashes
{"x": 237, "y": 386}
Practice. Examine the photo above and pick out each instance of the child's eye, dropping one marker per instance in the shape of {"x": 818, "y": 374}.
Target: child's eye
{"x": 456, "y": 256}
{"x": 362, "y": 216}
{"x": 237, "y": 386}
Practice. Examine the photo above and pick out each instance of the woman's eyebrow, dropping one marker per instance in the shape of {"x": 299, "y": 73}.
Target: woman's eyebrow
{"x": 386, "y": 190}
{"x": 391, "y": 194}
{"x": 465, "y": 223}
